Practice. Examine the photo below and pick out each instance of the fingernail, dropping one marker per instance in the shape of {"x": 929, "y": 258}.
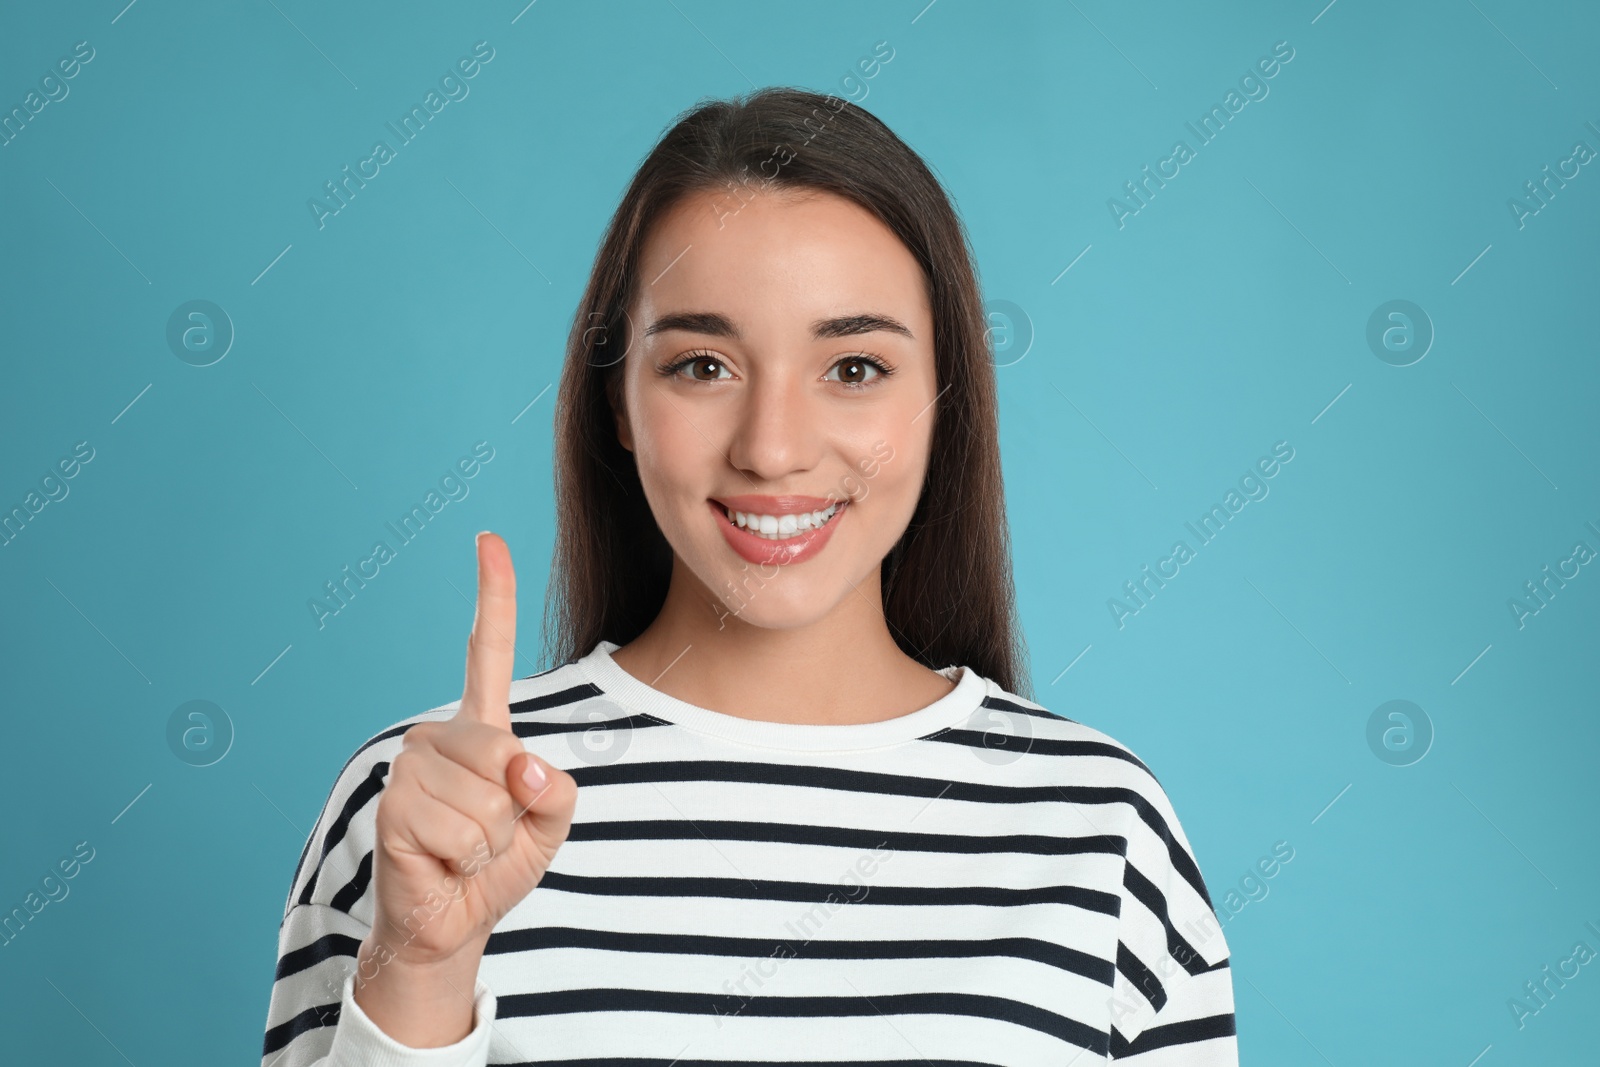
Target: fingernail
{"x": 534, "y": 774}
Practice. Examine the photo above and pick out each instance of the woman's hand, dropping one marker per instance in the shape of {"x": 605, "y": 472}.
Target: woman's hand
{"x": 462, "y": 835}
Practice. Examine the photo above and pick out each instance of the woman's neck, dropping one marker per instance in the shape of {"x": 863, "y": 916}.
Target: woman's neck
{"x": 839, "y": 669}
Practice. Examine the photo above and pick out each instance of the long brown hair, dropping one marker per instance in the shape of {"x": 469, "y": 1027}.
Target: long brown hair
{"x": 948, "y": 596}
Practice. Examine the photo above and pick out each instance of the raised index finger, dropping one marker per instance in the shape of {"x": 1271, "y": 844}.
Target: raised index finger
{"x": 491, "y": 648}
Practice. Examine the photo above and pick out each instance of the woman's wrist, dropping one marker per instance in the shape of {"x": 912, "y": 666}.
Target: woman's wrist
{"x": 420, "y": 1005}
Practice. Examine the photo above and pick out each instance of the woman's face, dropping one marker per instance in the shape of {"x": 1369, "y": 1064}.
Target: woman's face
{"x": 781, "y": 347}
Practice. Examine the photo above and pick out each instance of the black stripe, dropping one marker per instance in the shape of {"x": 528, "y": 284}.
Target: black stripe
{"x": 546, "y": 701}
{"x": 536, "y": 728}
{"x": 1181, "y": 861}
{"x": 323, "y": 948}
{"x": 1147, "y": 893}
{"x": 311, "y": 1019}
{"x": 370, "y": 787}
{"x": 1044, "y": 746}
{"x": 817, "y": 893}
{"x": 590, "y": 1001}
{"x": 1183, "y": 1033}
{"x": 393, "y": 731}
{"x": 892, "y": 784}
{"x": 1142, "y": 977}
{"x": 1053, "y": 955}
{"x": 1185, "y": 865}
{"x": 351, "y": 892}
{"x": 843, "y": 837}
{"x": 300, "y": 865}
{"x": 1010, "y": 705}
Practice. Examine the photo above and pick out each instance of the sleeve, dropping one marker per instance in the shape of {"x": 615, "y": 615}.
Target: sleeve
{"x": 312, "y": 1017}
{"x": 1172, "y": 991}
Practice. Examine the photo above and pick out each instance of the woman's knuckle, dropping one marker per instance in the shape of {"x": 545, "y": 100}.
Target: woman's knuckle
{"x": 507, "y": 746}
{"x": 403, "y": 767}
{"x": 500, "y": 807}
{"x": 466, "y": 841}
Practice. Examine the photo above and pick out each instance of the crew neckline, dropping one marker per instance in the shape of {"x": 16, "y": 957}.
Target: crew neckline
{"x": 956, "y": 705}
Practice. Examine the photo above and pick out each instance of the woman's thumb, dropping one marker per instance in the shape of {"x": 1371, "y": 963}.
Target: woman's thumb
{"x": 528, "y": 778}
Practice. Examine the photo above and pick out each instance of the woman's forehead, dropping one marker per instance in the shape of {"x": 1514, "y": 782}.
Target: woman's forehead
{"x": 780, "y": 259}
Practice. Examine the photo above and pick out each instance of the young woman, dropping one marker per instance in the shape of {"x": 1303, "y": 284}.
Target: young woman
{"x": 784, "y": 797}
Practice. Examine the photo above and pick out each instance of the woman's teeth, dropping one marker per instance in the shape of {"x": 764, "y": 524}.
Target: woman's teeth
{"x": 781, "y": 527}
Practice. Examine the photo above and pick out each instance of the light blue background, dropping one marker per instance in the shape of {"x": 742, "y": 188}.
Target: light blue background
{"x": 1228, "y": 314}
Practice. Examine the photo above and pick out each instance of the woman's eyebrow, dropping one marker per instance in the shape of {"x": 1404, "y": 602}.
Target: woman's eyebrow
{"x": 718, "y": 325}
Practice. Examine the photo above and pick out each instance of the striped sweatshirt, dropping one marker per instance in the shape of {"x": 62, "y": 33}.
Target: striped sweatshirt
{"x": 981, "y": 881}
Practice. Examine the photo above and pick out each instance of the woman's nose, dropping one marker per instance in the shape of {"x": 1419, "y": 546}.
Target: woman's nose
{"x": 776, "y": 428}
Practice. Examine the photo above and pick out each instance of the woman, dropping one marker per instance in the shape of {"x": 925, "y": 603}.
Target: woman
{"x": 784, "y": 796}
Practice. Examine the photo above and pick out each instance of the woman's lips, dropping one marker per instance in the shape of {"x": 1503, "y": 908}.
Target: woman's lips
{"x": 797, "y": 549}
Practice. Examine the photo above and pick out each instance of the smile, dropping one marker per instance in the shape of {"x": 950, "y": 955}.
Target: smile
{"x": 792, "y": 537}
{"x": 781, "y": 527}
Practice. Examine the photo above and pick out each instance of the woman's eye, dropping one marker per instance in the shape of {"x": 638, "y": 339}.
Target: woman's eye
{"x": 859, "y": 370}
{"x": 695, "y": 363}
{"x": 855, "y": 372}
